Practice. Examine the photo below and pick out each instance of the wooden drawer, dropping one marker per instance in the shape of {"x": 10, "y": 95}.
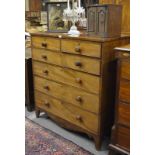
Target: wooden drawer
{"x": 124, "y": 92}
{"x": 125, "y": 69}
{"x": 80, "y": 63}
{"x": 46, "y": 43}
{"x": 123, "y": 137}
{"x": 81, "y": 47}
{"x": 124, "y": 114}
{"x": 87, "y": 82}
{"x": 69, "y": 94}
{"x": 48, "y": 87}
{"x": 73, "y": 114}
{"x": 81, "y": 99}
{"x": 46, "y": 56}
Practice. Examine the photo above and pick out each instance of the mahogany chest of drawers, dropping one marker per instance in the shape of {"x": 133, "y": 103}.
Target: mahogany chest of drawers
{"x": 71, "y": 80}
{"x": 120, "y": 141}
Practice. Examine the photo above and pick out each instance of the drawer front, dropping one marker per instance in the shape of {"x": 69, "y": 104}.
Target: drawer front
{"x": 125, "y": 69}
{"x": 77, "y": 79}
{"x": 81, "y": 47}
{"x": 80, "y": 63}
{"x": 123, "y": 137}
{"x": 124, "y": 92}
{"x": 81, "y": 99}
{"x": 124, "y": 114}
{"x": 46, "y": 43}
{"x": 46, "y": 56}
{"x": 48, "y": 87}
{"x": 73, "y": 114}
{"x": 69, "y": 94}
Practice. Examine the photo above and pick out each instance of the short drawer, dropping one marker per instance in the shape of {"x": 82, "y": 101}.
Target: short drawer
{"x": 80, "y": 63}
{"x": 125, "y": 69}
{"x": 124, "y": 92}
{"x": 46, "y": 56}
{"x": 46, "y": 43}
{"x": 69, "y": 112}
{"x": 48, "y": 87}
{"x": 81, "y": 47}
{"x": 124, "y": 114}
{"x": 123, "y": 137}
{"x": 89, "y": 83}
{"x": 81, "y": 99}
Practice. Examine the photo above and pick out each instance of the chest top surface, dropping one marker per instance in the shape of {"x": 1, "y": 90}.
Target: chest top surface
{"x": 83, "y": 36}
{"x": 123, "y": 48}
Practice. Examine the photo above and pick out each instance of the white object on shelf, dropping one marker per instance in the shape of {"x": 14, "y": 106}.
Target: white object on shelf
{"x": 73, "y": 31}
{"x": 77, "y": 13}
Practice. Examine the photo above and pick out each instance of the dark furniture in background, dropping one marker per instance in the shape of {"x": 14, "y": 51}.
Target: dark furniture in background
{"x": 86, "y": 3}
{"x": 29, "y": 94}
{"x": 35, "y": 5}
{"x": 33, "y": 12}
{"x": 120, "y": 141}
{"x": 104, "y": 20}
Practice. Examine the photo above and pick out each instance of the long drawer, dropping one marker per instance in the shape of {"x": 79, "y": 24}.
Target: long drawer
{"x": 77, "y": 79}
{"x": 69, "y": 94}
{"x": 69, "y": 112}
{"x": 124, "y": 92}
{"x": 89, "y": 65}
{"x": 124, "y": 114}
{"x": 81, "y": 99}
{"x": 80, "y": 63}
{"x": 81, "y": 47}
{"x": 46, "y": 43}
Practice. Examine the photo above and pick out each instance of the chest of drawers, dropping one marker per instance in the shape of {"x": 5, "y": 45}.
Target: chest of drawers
{"x": 120, "y": 141}
{"x": 71, "y": 80}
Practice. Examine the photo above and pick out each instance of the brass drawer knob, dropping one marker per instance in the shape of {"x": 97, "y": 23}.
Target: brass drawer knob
{"x": 46, "y": 103}
{"x": 78, "y": 64}
{"x": 78, "y": 80}
{"x": 79, "y": 98}
{"x": 45, "y": 72}
{"x": 79, "y": 118}
{"x": 44, "y": 57}
{"x": 44, "y": 45}
{"x": 46, "y": 87}
{"x": 77, "y": 49}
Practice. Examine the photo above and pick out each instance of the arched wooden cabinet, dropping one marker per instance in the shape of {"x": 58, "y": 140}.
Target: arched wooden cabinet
{"x": 125, "y": 13}
{"x": 104, "y": 20}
